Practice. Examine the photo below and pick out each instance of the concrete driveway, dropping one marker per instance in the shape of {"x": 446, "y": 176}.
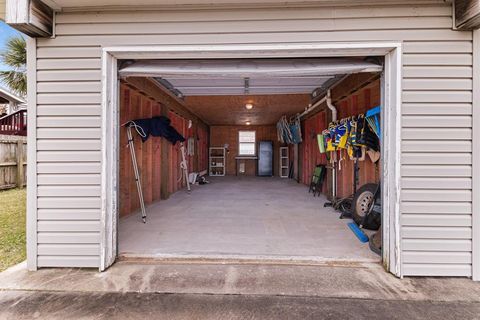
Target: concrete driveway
{"x": 232, "y": 291}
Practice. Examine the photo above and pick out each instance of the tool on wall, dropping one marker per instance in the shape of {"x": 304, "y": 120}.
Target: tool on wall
{"x": 131, "y": 146}
{"x": 157, "y": 127}
{"x": 184, "y": 166}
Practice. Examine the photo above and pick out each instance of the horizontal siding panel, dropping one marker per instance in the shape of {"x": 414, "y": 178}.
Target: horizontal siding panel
{"x": 69, "y": 64}
{"x": 438, "y": 270}
{"x": 69, "y": 98}
{"x": 68, "y": 226}
{"x": 68, "y": 75}
{"x": 273, "y": 26}
{"x": 68, "y": 237}
{"x": 69, "y": 122}
{"x": 69, "y": 202}
{"x": 69, "y": 144}
{"x": 436, "y": 146}
{"x": 69, "y": 156}
{"x": 435, "y": 134}
{"x": 436, "y": 171}
{"x": 437, "y": 245}
{"x": 69, "y": 214}
{"x": 437, "y": 121}
{"x": 436, "y": 195}
{"x": 431, "y": 59}
{"x": 436, "y": 220}
{"x": 68, "y": 179}
{"x": 69, "y": 249}
{"x": 257, "y": 14}
{"x": 74, "y": 168}
{"x": 437, "y": 257}
{"x": 259, "y": 37}
{"x": 438, "y": 46}
{"x": 437, "y": 84}
{"x": 437, "y": 96}
{"x": 437, "y": 232}
{"x": 63, "y": 53}
{"x": 69, "y": 87}
{"x": 69, "y": 110}
{"x": 459, "y": 208}
{"x": 437, "y": 109}
{"x": 436, "y": 158}
{"x": 68, "y": 261}
{"x": 69, "y": 133}
{"x": 69, "y": 191}
{"x": 437, "y": 72}
{"x": 436, "y": 183}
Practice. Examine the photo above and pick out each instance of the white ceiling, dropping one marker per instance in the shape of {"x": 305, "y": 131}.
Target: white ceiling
{"x": 243, "y": 77}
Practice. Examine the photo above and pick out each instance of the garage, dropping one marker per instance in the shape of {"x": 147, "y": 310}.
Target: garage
{"x": 255, "y": 135}
{"x": 80, "y": 53}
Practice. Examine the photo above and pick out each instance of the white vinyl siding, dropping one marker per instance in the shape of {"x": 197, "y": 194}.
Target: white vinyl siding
{"x": 436, "y": 208}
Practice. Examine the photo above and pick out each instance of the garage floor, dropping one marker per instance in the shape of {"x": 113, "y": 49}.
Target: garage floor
{"x": 243, "y": 217}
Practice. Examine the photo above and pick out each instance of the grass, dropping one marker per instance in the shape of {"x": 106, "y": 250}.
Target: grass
{"x": 12, "y": 227}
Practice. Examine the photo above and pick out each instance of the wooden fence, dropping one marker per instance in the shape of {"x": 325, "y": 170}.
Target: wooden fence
{"x": 13, "y": 161}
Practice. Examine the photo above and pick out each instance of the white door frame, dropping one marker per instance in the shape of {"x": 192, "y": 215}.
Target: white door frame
{"x": 391, "y": 122}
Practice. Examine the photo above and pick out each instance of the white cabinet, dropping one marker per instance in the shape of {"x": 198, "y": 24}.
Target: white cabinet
{"x": 217, "y": 164}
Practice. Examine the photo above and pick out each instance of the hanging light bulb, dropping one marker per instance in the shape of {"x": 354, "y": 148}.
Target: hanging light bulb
{"x": 249, "y": 106}
{"x": 248, "y": 123}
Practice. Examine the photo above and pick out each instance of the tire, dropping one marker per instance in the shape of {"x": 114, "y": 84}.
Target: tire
{"x": 362, "y": 201}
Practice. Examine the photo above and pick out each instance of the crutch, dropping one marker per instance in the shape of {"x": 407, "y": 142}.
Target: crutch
{"x": 184, "y": 165}
{"x": 137, "y": 173}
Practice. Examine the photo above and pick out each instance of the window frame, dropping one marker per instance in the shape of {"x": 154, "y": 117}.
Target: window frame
{"x": 254, "y": 144}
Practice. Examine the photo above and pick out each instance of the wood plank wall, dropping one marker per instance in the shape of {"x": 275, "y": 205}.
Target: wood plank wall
{"x": 134, "y": 105}
{"x": 353, "y": 104}
{"x": 13, "y": 161}
{"x": 220, "y": 135}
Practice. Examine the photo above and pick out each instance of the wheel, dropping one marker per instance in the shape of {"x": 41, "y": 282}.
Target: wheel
{"x": 362, "y": 201}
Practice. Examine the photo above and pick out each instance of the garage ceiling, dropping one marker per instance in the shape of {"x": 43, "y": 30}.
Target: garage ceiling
{"x": 246, "y": 76}
{"x": 230, "y": 110}
{"x": 217, "y": 90}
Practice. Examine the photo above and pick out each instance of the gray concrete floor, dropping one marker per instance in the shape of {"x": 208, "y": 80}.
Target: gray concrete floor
{"x": 209, "y": 291}
{"x": 243, "y": 217}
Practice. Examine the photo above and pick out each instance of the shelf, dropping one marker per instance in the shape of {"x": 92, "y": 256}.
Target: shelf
{"x": 217, "y": 155}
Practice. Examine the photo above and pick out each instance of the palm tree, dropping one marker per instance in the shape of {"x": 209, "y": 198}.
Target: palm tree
{"x": 15, "y": 56}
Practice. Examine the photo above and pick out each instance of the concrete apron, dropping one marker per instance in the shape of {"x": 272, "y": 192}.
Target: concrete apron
{"x": 362, "y": 281}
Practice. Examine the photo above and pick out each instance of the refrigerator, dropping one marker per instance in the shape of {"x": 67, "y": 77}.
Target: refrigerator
{"x": 265, "y": 158}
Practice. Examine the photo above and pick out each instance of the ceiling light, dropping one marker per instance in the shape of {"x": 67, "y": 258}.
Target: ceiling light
{"x": 249, "y": 106}
{"x": 247, "y": 123}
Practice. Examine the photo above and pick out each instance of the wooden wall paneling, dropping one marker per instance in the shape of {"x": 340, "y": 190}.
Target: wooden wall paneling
{"x": 353, "y": 104}
{"x": 165, "y": 163}
{"x": 156, "y": 157}
{"x": 150, "y": 155}
{"x": 220, "y": 135}
{"x": 125, "y": 164}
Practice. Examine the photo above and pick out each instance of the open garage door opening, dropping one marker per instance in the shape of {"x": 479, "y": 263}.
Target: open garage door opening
{"x": 283, "y": 159}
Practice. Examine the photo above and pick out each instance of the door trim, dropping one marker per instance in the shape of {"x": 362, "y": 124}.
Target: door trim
{"x": 392, "y": 51}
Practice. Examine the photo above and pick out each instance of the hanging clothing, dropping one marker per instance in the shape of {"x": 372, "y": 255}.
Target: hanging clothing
{"x": 157, "y": 127}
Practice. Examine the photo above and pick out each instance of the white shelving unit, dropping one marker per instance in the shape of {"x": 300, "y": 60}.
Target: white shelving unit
{"x": 217, "y": 161}
{"x": 283, "y": 162}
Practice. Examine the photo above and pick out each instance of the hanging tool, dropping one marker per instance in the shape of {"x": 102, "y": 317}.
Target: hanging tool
{"x": 131, "y": 146}
{"x": 184, "y": 165}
